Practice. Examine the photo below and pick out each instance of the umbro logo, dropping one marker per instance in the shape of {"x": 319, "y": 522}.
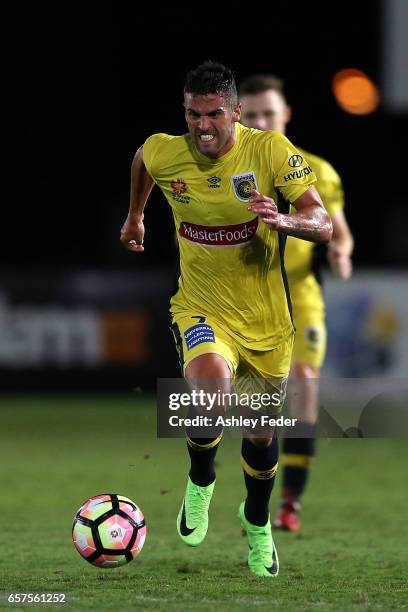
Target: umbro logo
{"x": 213, "y": 182}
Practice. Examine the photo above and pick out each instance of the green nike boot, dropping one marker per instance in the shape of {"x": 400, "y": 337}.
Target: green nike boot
{"x": 262, "y": 558}
{"x": 192, "y": 520}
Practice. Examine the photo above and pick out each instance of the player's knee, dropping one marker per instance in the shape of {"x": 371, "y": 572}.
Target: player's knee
{"x": 261, "y": 442}
{"x": 211, "y": 374}
{"x": 208, "y": 367}
{"x": 304, "y": 371}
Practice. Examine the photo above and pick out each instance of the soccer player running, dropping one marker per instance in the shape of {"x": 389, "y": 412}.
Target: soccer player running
{"x": 230, "y": 316}
{"x": 264, "y": 107}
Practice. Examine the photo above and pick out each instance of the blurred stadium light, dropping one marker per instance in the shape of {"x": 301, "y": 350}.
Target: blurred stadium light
{"x": 355, "y": 92}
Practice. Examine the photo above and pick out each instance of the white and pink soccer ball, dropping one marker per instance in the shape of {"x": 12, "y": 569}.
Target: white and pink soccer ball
{"x": 109, "y": 530}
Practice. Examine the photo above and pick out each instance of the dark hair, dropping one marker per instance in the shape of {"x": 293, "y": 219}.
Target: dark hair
{"x": 258, "y": 83}
{"x": 212, "y": 78}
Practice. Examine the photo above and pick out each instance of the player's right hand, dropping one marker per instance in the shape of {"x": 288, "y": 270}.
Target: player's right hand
{"x": 132, "y": 234}
{"x": 265, "y": 208}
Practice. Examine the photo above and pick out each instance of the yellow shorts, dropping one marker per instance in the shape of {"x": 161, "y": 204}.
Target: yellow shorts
{"x": 252, "y": 371}
{"x": 310, "y": 338}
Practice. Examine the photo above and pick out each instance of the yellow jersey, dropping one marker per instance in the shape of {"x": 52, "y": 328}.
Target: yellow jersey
{"x": 304, "y": 288}
{"x": 231, "y": 263}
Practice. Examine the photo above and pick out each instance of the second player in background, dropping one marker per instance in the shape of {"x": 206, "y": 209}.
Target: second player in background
{"x": 264, "y": 107}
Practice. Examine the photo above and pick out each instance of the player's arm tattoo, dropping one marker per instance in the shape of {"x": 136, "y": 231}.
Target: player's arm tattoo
{"x": 312, "y": 224}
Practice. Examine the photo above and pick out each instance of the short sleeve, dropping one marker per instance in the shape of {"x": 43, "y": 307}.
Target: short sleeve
{"x": 150, "y": 149}
{"x": 292, "y": 172}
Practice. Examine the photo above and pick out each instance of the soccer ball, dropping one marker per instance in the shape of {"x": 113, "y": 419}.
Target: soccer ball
{"x": 109, "y": 530}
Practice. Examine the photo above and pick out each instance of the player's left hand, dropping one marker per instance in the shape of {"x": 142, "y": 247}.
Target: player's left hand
{"x": 340, "y": 264}
{"x": 266, "y": 208}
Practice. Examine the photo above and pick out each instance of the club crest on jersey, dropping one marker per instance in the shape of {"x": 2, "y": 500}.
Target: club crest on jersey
{"x": 243, "y": 184}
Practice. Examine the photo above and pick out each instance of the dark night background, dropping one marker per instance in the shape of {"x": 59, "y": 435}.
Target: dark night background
{"x": 101, "y": 76}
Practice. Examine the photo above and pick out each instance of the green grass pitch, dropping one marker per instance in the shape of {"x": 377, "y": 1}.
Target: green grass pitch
{"x": 58, "y": 451}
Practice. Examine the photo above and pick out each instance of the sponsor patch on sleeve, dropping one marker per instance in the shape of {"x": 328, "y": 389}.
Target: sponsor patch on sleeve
{"x": 197, "y": 334}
